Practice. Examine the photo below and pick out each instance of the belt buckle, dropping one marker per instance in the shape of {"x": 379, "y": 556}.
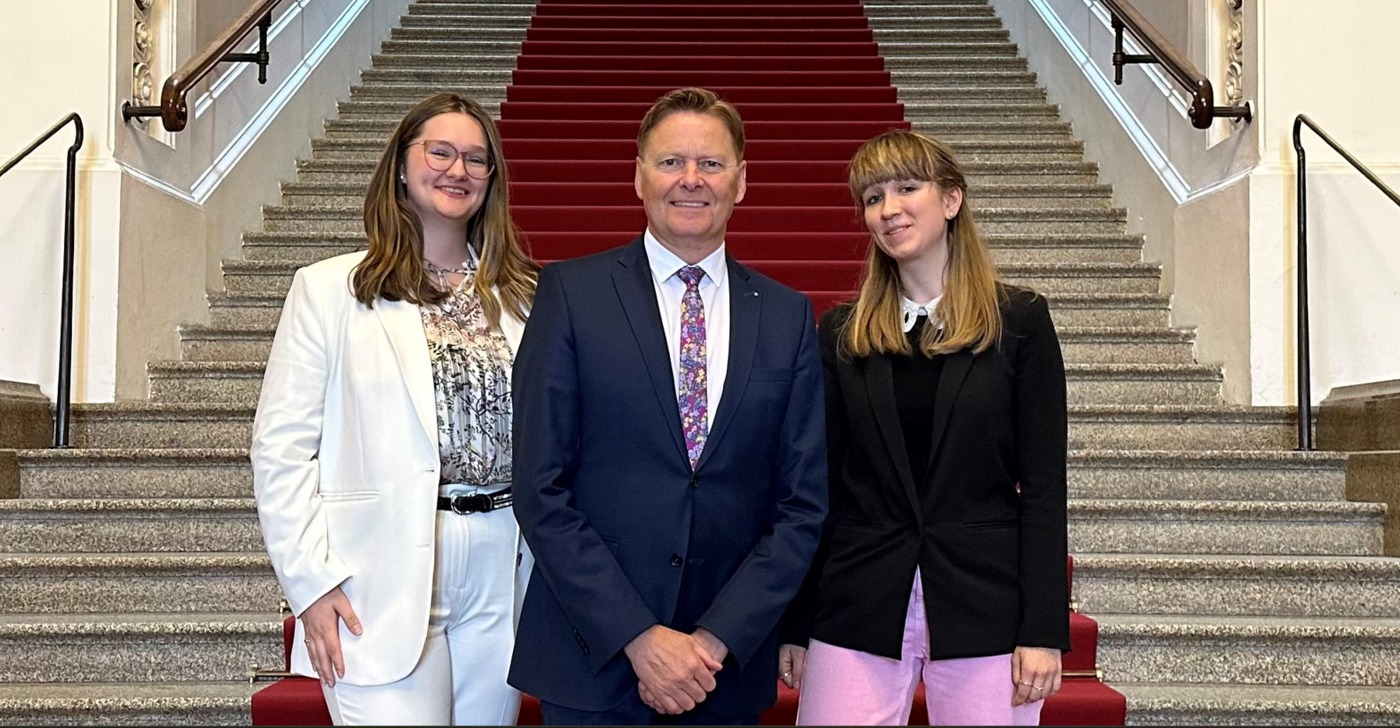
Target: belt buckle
{"x": 475, "y": 503}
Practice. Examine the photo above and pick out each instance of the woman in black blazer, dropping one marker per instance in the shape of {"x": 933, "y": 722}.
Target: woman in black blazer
{"x": 944, "y": 554}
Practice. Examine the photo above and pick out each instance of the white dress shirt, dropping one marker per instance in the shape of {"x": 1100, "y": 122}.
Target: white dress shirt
{"x": 714, "y": 293}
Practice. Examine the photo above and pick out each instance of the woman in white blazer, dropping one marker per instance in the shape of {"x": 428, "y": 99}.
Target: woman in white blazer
{"x": 381, "y": 448}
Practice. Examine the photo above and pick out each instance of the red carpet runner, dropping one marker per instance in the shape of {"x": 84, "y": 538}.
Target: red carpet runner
{"x": 810, "y": 83}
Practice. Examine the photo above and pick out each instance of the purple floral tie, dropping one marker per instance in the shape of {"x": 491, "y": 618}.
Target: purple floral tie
{"x": 692, "y": 382}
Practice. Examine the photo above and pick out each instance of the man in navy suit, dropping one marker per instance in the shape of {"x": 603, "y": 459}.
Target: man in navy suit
{"x": 669, "y": 453}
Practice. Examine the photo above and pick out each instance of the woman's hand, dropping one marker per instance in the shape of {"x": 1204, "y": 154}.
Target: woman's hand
{"x": 792, "y": 663}
{"x": 1035, "y": 672}
{"x": 320, "y": 623}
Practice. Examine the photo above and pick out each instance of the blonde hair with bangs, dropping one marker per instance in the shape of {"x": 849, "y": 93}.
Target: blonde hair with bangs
{"x": 393, "y": 269}
{"x": 970, "y": 307}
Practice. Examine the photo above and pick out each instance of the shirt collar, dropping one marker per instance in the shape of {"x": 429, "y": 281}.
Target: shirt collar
{"x": 664, "y": 263}
{"x": 910, "y": 312}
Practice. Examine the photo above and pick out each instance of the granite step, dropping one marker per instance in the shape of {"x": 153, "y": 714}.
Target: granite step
{"x": 1001, "y": 172}
{"x": 1182, "y": 427}
{"x": 68, "y": 583}
{"x": 48, "y": 648}
{"x": 1227, "y": 475}
{"x": 128, "y": 525}
{"x": 367, "y": 147}
{"x": 182, "y": 702}
{"x": 1050, "y": 279}
{"x": 1327, "y": 528}
{"x": 1088, "y": 383}
{"x": 1177, "y": 704}
{"x": 127, "y": 425}
{"x": 145, "y": 471}
{"x": 1093, "y": 220}
{"x": 390, "y": 109}
{"x": 1079, "y": 344}
{"x": 1007, "y": 248}
{"x": 1245, "y": 650}
{"x": 153, "y": 425}
{"x": 1110, "y": 309}
{"x": 1234, "y": 584}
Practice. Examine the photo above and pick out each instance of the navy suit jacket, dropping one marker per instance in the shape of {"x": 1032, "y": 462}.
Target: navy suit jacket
{"x": 624, "y": 534}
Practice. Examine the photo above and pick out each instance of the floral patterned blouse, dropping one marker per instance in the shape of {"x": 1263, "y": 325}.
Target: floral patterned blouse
{"x": 471, "y": 376}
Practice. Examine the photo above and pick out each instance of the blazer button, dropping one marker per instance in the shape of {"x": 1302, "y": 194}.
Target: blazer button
{"x": 676, "y": 561}
{"x": 695, "y": 481}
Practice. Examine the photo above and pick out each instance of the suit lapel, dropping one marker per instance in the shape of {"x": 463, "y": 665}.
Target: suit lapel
{"x": 950, "y": 382}
{"x": 638, "y": 296}
{"x": 403, "y": 323}
{"x": 879, "y": 383}
{"x": 745, "y": 308}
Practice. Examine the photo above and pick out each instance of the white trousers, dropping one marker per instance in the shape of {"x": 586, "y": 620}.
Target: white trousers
{"x": 460, "y": 678}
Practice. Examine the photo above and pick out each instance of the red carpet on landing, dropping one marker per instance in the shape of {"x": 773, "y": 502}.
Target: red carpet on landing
{"x": 810, "y": 83}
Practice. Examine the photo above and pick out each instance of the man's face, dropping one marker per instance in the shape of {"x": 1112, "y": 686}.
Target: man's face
{"x": 689, "y": 178}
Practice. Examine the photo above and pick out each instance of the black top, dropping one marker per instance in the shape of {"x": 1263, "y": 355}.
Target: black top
{"x": 985, "y": 526}
{"x": 915, "y": 390}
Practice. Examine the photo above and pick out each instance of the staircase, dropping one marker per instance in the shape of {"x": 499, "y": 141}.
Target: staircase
{"x": 1230, "y": 580}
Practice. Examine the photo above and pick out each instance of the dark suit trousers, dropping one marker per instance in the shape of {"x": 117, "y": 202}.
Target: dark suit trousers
{"x": 634, "y": 712}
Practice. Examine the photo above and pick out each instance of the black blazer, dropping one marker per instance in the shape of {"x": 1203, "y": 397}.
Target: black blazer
{"x": 992, "y": 555}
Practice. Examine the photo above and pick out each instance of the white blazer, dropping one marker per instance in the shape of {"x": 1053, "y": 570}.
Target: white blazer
{"x": 346, "y": 466}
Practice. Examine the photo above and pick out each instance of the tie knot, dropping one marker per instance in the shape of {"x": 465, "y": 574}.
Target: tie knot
{"x": 691, "y": 274}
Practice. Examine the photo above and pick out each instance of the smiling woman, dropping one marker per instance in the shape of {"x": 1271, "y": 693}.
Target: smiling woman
{"x": 382, "y": 443}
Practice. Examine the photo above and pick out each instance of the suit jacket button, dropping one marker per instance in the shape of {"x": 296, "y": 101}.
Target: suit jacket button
{"x": 695, "y": 481}
{"x": 676, "y": 561}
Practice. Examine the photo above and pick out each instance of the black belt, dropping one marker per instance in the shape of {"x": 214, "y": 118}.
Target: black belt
{"x": 476, "y": 503}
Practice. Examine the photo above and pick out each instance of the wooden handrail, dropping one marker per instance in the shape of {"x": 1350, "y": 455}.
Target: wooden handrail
{"x": 174, "y": 109}
{"x": 1203, "y": 111}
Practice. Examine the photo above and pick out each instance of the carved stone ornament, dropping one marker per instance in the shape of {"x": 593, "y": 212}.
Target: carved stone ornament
{"x": 142, "y": 83}
{"x": 1234, "y": 48}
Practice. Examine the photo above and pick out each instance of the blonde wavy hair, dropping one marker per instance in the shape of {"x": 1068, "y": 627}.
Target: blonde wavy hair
{"x": 970, "y": 308}
{"x": 393, "y": 269}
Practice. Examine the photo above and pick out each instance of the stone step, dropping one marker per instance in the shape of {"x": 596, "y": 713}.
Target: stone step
{"x": 1088, "y": 383}
{"x": 1177, "y": 704}
{"x": 1233, "y": 584}
{"x": 1228, "y": 475}
{"x": 126, "y": 425}
{"x": 911, "y": 11}
{"x": 485, "y": 71}
{"x": 146, "y": 425}
{"x": 66, "y": 583}
{"x": 473, "y": 15}
{"x": 141, "y": 472}
{"x": 49, "y": 648}
{"x": 243, "y": 277}
{"x": 1337, "y": 528}
{"x": 1088, "y": 344}
{"x": 367, "y": 148}
{"x": 504, "y": 48}
{"x": 1182, "y": 427}
{"x": 1110, "y": 309}
{"x": 128, "y": 525}
{"x": 183, "y": 702}
{"x": 1006, "y": 248}
{"x": 389, "y": 110}
{"x": 1249, "y": 650}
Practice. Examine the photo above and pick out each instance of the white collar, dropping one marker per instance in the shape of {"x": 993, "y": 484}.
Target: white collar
{"x": 664, "y": 263}
{"x": 910, "y": 312}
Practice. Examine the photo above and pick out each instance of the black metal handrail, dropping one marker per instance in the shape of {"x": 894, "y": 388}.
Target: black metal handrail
{"x": 1304, "y": 363}
{"x": 65, "y": 331}
{"x": 1203, "y": 111}
{"x": 173, "y": 109}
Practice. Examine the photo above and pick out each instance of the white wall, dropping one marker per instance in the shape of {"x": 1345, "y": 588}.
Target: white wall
{"x": 1333, "y": 62}
{"x": 155, "y": 216}
{"x": 1217, "y": 208}
{"x": 1174, "y": 180}
{"x": 56, "y": 57}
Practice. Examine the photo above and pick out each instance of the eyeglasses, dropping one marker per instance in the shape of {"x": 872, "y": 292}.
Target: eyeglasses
{"x": 440, "y": 156}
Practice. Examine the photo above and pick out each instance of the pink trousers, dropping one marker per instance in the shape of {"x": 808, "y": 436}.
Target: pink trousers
{"x": 850, "y": 687}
